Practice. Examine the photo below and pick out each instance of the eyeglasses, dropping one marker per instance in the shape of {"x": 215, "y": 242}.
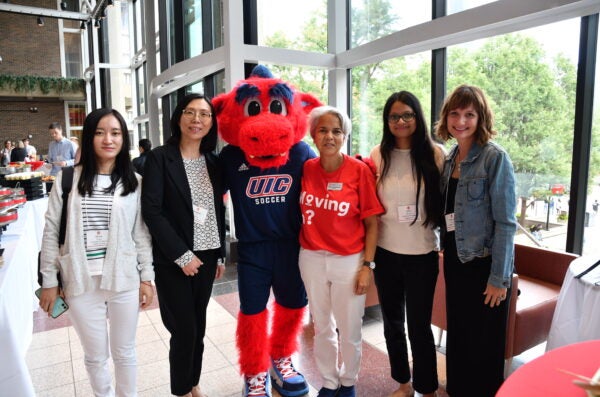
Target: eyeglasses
{"x": 337, "y": 132}
{"x": 192, "y": 114}
{"x": 406, "y": 117}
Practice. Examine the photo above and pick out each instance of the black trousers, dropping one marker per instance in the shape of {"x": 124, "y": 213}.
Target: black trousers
{"x": 406, "y": 284}
{"x": 476, "y": 332}
{"x": 183, "y": 301}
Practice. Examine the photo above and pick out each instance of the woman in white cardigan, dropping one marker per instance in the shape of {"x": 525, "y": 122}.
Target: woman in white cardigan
{"x": 105, "y": 262}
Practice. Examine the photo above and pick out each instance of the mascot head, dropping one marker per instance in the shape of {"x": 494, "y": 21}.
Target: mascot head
{"x": 264, "y": 117}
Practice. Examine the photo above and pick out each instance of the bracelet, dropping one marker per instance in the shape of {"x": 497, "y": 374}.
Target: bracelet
{"x": 146, "y": 282}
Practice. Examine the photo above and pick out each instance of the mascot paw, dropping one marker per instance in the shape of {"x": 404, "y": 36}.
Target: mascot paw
{"x": 286, "y": 380}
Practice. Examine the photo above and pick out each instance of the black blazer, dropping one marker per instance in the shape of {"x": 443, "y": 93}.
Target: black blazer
{"x": 167, "y": 203}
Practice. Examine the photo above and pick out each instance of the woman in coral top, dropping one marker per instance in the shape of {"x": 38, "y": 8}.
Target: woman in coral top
{"x": 338, "y": 237}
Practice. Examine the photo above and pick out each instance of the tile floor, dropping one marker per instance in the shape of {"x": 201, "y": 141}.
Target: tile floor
{"x": 55, "y": 357}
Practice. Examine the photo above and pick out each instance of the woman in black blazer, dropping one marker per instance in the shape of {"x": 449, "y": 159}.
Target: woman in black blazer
{"x": 182, "y": 204}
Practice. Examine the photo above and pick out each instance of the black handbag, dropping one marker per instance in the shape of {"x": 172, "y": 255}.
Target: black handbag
{"x": 66, "y": 184}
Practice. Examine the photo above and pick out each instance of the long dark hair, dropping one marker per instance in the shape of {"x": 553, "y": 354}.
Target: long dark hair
{"x": 209, "y": 142}
{"x": 422, "y": 154}
{"x": 123, "y": 169}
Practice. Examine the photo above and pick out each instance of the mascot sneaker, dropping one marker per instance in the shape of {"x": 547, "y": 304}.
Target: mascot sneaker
{"x": 286, "y": 380}
{"x": 257, "y": 385}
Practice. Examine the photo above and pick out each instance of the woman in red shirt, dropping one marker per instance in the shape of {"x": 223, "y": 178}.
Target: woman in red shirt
{"x": 338, "y": 237}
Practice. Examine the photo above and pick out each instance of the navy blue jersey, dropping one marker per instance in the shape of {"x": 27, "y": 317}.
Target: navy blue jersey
{"x": 265, "y": 202}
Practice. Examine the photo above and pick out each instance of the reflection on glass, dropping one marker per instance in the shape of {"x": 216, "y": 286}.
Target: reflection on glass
{"x": 591, "y": 233}
{"x": 192, "y": 19}
{"x": 530, "y": 78}
{"x": 73, "y": 55}
{"x": 455, "y": 6}
{"x": 76, "y": 114}
{"x": 139, "y": 25}
{"x": 373, "y": 19}
{"x": 297, "y": 25}
{"x": 373, "y": 84}
{"x": 140, "y": 78}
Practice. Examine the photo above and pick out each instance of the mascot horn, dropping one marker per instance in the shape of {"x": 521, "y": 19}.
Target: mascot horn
{"x": 263, "y": 119}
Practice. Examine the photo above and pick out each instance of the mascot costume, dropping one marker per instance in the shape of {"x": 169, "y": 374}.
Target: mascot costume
{"x": 264, "y": 120}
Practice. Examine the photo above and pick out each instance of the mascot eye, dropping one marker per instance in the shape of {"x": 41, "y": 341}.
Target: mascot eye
{"x": 277, "y": 106}
{"x": 252, "y": 107}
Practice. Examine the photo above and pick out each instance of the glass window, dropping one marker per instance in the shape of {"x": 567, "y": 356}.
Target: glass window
{"x": 218, "y": 31}
{"x": 454, "y": 6}
{"x": 371, "y": 87}
{"x": 139, "y": 25}
{"x": 297, "y": 25}
{"x": 73, "y": 55}
{"x": 591, "y": 233}
{"x": 140, "y": 77}
{"x": 76, "y": 117}
{"x": 192, "y": 19}
{"x": 373, "y": 19}
{"x": 530, "y": 78}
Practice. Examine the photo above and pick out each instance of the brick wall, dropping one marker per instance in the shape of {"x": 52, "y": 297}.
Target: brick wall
{"x": 29, "y": 49}
{"x": 16, "y": 122}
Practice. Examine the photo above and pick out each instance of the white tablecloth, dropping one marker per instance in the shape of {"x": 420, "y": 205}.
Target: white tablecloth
{"x": 577, "y": 315}
{"x": 18, "y": 281}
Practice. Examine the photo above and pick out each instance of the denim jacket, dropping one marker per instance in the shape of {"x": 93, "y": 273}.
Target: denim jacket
{"x": 484, "y": 208}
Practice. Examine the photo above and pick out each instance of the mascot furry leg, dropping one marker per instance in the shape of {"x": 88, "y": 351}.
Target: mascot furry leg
{"x": 251, "y": 339}
{"x": 285, "y": 329}
{"x": 255, "y": 359}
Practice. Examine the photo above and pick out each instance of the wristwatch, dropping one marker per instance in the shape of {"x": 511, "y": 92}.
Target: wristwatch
{"x": 370, "y": 265}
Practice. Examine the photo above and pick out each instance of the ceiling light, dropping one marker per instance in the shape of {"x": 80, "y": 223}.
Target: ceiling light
{"x": 63, "y": 5}
{"x": 82, "y": 26}
{"x": 40, "y": 21}
{"x": 97, "y": 23}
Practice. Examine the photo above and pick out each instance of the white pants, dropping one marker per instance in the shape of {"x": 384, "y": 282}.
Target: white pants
{"x": 88, "y": 313}
{"x": 329, "y": 280}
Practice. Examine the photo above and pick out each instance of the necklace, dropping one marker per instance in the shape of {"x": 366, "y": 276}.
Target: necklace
{"x": 458, "y": 161}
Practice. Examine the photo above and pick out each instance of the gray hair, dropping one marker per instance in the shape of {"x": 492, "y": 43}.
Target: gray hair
{"x": 318, "y": 112}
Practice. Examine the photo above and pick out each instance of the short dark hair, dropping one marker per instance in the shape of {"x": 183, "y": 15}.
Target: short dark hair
{"x": 145, "y": 144}
{"x": 26, "y": 139}
{"x": 54, "y": 125}
{"x": 209, "y": 142}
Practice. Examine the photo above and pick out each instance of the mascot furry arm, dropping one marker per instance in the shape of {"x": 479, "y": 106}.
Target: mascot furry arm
{"x": 264, "y": 117}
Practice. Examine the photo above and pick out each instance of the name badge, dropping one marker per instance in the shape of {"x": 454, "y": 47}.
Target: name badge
{"x": 406, "y": 213}
{"x": 199, "y": 214}
{"x": 450, "y": 222}
{"x": 96, "y": 239}
{"x": 334, "y": 186}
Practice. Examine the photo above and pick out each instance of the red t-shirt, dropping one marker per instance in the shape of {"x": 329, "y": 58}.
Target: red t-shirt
{"x": 334, "y": 204}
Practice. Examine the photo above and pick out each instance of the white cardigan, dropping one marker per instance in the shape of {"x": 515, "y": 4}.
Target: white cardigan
{"x": 129, "y": 252}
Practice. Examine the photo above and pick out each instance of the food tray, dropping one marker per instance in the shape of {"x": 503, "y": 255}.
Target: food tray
{"x": 37, "y": 181}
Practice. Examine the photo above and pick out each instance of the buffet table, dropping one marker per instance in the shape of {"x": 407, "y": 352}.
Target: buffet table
{"x": 18, "y": 281}
{"x": 577, "y": 314}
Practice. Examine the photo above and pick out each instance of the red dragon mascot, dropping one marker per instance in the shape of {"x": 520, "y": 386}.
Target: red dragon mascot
{"x": 263, "y": 119}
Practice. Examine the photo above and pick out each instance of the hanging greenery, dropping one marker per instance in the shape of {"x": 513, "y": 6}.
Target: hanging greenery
{"x": 44, "y": 84}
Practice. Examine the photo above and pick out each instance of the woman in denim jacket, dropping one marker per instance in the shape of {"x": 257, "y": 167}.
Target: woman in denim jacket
{"x": 478, "y": 189}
